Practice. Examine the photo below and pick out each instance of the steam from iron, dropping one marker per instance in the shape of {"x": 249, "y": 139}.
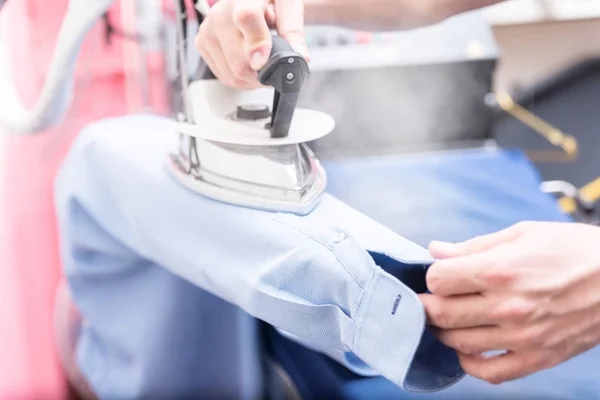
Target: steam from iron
{"x": 401, "y": 108}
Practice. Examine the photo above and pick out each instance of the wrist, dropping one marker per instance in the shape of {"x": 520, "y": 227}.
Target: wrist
{"x": 324, "y": 12}
{"x": 316, "y": 12}
{"x": 373, "y": 15}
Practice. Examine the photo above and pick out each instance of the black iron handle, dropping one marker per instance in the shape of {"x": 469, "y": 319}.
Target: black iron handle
{"x": 286, "y": 70}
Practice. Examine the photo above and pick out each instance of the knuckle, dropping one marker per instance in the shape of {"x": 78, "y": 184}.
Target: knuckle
{"x": 441, "y": 317}
{"x": 205, "y": 41}
{"x": 474, "y": 244}
{"x": 493, "y": 379}
{"x": 433, "y": 280}
{"x": 484, "y": 373}
{"x": 244, "y": 15}
{"x": 206, "y": 33}
{"x": 464, "y": 347}
{"x": 517, "y": 310}
{"x": 241, "y": 84}
{"x": 240, "y": 70}
{"x": 500, "y": 274}
{"x": 212, "y": 38}
{"x": 531, "y": 336}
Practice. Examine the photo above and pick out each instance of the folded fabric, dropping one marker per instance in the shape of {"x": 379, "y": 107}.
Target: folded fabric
{"x": 168, "y": 281}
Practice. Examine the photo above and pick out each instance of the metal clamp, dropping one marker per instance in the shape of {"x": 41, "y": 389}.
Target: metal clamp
{"x": 569, "y": 148}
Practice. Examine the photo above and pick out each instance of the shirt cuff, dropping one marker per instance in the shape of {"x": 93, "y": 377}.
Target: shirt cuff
{"x": 389, "y": 333}
{"x": 419, "y": 362}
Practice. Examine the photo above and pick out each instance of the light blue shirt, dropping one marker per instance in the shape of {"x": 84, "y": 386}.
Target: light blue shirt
{"x": 169, "y": 282}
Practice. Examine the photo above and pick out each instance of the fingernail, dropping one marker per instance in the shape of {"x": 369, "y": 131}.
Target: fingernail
{"x": 258, "y": 60}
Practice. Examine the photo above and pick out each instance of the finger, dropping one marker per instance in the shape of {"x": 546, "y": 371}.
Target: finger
{"x": 477, "y": 340}
{"x": 504, "y": 367}
{"x": 478, "y": 244}
{"x": 243, "y": 76}
{"x": 290, "y": 24}
{"x": 489, "y": 271}
{"x": 249, "y": 16}
{"x": 208, "y": 46}
{"x": 270, "y": 15}
{"x": 223, "y": 71}
{"x": 456, "y": 276}
{"x": 460, "y": 311}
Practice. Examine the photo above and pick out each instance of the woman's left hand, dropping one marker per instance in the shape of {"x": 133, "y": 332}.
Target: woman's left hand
{"x": 531, "y": 291}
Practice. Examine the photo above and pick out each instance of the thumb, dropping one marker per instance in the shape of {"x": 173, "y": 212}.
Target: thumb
{"x": 249, "y": 16}
{"x": 290, "y": 24}
{"x": 478, "y": 244}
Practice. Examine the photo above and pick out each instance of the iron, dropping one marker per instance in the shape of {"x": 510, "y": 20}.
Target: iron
{"x": 249, "y": 148}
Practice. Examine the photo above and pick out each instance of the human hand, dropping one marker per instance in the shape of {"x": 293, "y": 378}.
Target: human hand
{"x": 532, "y": 290}
{"x": 235, "y": 41}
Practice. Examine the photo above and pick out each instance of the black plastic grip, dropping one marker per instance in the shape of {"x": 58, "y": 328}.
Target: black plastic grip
{"x": 286, "y": 70}
{"x": 283, "y": 61}
{"x": 280, "y": 51}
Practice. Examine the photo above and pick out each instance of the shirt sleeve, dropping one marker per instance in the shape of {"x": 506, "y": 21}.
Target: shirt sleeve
{"x": 334, "y": 279}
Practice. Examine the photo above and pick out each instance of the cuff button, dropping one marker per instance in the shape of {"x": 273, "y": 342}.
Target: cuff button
{"x": 340, "y": 237}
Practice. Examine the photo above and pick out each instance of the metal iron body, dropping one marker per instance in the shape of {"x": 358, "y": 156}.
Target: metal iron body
{"x": 249, "y": 148}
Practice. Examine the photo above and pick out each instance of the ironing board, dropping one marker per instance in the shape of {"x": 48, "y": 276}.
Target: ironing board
{"x": 449, "y": 196}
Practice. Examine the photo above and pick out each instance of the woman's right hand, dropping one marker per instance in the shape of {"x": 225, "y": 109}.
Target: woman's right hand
{"x": 235, "y": 40}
